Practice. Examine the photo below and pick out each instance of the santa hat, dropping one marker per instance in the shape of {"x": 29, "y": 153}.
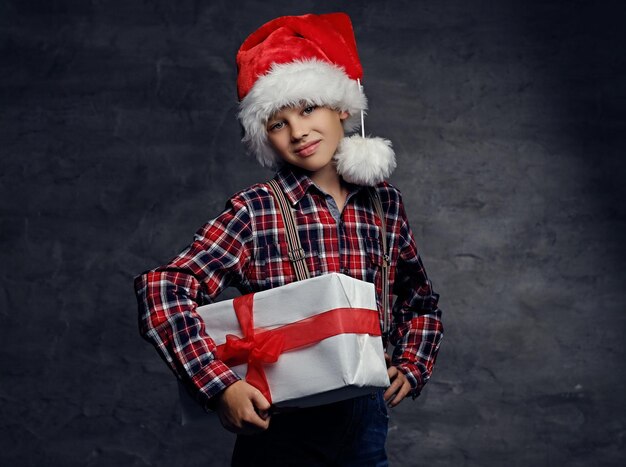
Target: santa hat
{"x": 312, "y": 59}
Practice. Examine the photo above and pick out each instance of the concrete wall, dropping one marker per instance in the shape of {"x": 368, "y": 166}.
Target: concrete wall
{"x": 118, "y": 139}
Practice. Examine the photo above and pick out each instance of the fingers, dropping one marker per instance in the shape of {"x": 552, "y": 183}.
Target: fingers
{"x": 248, "y": 423}
{"x": 261, "y": 405}
{"x": 243, "y": 409}
{"x": 245, "y": 421}
{"x": 401, "y": 394}
{"x": 259, "y": 400}
{"x": 399, "y": 388}
{"x": 392, "y": 373}
{"x": 395, "y": 384}
{"x": 253, "y": 422}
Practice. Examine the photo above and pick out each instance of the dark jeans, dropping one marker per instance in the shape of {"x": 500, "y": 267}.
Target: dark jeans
{"x": 346, "y": 433}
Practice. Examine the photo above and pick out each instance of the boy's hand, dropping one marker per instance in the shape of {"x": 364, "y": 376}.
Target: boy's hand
{"x": 399, "y": 387}
{"x": 243, "y": 409}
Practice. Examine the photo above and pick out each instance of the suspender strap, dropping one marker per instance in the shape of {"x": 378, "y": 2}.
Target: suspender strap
{"x": 378, "y": 206}
{"x": 296, "y": 252}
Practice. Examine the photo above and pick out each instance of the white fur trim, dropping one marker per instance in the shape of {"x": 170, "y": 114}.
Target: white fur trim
{"x": 365, "y": 161}
{"x": 312, "y": 81}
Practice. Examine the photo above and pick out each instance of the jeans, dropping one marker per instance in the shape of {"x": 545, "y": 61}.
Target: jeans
{"x": 346, "y": 433}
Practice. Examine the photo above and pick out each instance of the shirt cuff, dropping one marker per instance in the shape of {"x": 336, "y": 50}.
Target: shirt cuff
{"x": 211, "y": 381}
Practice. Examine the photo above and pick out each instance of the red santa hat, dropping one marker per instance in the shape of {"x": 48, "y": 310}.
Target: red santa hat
{"x": 312, "y": 59}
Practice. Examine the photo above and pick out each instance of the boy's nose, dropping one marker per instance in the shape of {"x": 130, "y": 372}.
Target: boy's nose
{"x": 298, "y": 130}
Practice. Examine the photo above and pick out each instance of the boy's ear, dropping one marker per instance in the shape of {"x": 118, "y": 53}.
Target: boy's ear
{"x": 343, "y": 114}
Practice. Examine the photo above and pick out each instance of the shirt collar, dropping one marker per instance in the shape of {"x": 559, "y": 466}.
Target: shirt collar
{"x": 295, "y": 182}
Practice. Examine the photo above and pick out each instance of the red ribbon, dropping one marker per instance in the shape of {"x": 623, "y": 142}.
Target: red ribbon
{"x": 259, "y": 347}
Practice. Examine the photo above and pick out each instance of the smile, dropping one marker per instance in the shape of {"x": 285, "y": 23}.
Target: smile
{"x": 308, "y": 149}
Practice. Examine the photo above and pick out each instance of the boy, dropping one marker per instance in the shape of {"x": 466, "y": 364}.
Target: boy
{"x": 299, "y": 88}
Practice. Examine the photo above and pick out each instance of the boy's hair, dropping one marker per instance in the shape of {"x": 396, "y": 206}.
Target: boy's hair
{"x": 313, "y": 59}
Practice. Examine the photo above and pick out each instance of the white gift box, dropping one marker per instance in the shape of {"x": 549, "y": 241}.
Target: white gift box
{"x": 335, "y": 368}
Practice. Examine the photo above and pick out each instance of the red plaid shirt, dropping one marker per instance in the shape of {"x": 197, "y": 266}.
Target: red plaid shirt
{"x": 245, "y": 247}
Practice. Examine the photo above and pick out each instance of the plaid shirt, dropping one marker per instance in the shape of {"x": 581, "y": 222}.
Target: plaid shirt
{"x": 245, "y": 247}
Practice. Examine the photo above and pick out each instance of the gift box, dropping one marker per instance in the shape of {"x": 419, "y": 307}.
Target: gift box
{"x": 308, "y": 343}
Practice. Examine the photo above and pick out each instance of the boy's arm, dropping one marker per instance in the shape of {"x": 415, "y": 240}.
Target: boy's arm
{"x": 417, "y": 329}
{"x": 169, "y": 295}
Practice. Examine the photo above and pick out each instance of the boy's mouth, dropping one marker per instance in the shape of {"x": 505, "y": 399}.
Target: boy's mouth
{"x": 308, "y": 148}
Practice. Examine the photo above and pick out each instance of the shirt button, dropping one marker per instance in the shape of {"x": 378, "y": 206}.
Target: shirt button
{"x": 344, "y": 271}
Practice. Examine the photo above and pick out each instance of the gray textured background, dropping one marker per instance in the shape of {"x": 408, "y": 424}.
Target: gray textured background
{"x": 118, "y": 139}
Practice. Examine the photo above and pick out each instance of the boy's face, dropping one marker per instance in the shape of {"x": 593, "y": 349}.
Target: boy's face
{"x": 306, "y": 136}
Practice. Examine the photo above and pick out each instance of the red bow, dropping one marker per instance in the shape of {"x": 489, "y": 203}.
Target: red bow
{"x": 254, "y": 348}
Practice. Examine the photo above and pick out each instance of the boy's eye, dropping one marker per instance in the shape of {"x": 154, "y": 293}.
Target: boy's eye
{"x": 309, "y": 109}
{"x": 276, "y": 126}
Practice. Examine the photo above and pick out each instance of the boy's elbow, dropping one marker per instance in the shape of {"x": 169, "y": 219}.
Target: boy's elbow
{"x": 140, "y": 281}
{"x": 148, "y": 317}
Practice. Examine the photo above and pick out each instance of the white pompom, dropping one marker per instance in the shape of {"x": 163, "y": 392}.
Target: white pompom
{"x": 365, "y": 161}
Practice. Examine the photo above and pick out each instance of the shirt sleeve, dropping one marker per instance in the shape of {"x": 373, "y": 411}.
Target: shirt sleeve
{"x": 169, "y": 295}
{"x": 417, "y": 329}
